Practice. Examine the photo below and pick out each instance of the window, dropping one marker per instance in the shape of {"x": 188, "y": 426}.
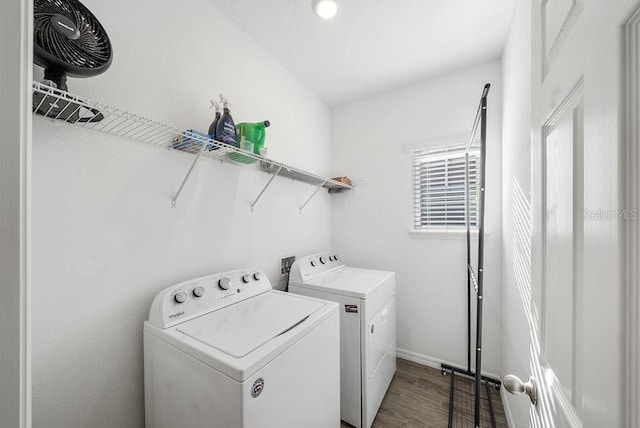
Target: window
{"x": 439, "y": 187}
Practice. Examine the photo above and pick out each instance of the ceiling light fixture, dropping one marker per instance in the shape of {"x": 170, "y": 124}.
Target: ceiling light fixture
{"x": 325, "y": 9}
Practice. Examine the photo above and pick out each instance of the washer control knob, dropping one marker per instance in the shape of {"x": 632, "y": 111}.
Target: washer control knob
{"x": 257, "y": 276}
{"x": 330, "y": 258}
{"x": 313, "y": 263}
{"x": 323, "y": 260}
{"x": 224, "y": 283}
{"x": 335, "y": 257}
{"x": 246, "y": 278}
{"x": 198, "y": 291}
{"x": 180, "y": 297}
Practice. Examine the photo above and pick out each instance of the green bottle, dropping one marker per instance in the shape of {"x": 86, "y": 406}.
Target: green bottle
{"x": 254, "y": 132}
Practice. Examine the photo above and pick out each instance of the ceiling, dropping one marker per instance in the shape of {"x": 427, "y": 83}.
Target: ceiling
{"x": 372, "y": 46}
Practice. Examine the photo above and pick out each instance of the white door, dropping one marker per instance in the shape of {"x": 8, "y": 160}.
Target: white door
{"x": 580, "y": 213}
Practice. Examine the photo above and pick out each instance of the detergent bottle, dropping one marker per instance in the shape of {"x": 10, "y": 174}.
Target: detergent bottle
{"x": 225, "y": 128}
{"x": 254, "y": 132}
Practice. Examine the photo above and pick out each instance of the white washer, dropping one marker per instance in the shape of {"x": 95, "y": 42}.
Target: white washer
{"x": 227, "y": 351}
{"x": 367, "y": 301}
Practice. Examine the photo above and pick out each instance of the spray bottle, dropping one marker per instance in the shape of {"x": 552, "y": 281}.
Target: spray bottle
{"x": 214, "y": 124}
{"x": 226, "y": 129}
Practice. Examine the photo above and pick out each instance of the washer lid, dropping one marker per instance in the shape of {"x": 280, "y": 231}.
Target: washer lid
{"x": 348, "y": 281}
{"x": 239, "y": 329}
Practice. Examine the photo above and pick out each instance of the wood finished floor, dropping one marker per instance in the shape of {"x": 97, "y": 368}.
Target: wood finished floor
{"x": 418, "y": 397}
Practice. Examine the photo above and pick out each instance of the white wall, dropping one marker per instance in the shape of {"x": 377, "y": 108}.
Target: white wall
{"x": 105, "y": 238}
{"x": 516, "y": 168}
{"x": 370, "y": 225}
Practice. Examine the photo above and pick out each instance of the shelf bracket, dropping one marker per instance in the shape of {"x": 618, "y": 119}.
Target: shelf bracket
{"x": 186, "y": 177}
{"x": 265, "y": 187}
{"x": 312, "y": 195}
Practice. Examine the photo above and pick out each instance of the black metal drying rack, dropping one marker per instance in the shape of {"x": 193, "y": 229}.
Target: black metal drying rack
{"x": 476, "y": 281}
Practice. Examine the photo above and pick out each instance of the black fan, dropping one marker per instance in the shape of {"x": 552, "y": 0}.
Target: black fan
{"x": 68, "y": 40}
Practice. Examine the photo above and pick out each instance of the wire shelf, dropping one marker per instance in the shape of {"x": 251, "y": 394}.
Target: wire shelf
{"x": 90, "y": 114}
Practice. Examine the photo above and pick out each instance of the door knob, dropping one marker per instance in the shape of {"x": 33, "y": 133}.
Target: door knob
{"x": 514, "y": 385}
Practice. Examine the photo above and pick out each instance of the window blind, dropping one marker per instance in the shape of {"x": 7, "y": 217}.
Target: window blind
{"x": 439, "y": 193}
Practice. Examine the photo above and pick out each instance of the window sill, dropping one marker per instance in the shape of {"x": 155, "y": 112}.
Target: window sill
{"x": 445, "y": 234}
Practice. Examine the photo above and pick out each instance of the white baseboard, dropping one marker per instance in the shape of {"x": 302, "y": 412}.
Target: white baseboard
{"x": 419, "y": 358}
{"x": 507, "y": 409}
{"x": 433, "y": 362}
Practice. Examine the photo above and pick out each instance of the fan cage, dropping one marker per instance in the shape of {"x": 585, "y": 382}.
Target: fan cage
{"x": 88, "y": 55}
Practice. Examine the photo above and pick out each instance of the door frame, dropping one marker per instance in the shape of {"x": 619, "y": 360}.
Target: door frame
{"x": 16, "y": 46}
{"x": 631, "y": 80}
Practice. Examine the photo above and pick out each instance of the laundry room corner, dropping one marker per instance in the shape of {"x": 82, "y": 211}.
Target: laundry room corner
{"x": 371, "y": 138}
{"x": 106, "y": 239}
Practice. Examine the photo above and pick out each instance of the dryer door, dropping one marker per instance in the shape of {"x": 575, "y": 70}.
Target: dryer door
{"x": 380, "y": 349}
{"x": 381, "y": 332}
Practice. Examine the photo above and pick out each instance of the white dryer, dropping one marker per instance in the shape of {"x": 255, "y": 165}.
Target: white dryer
{"x": 367, "y": 301}
{"x": 227, "y": 351}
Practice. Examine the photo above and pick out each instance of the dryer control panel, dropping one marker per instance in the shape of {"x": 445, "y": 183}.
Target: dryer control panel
{"x": 309, "y": 267}
{"x": 196, "y": 297}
